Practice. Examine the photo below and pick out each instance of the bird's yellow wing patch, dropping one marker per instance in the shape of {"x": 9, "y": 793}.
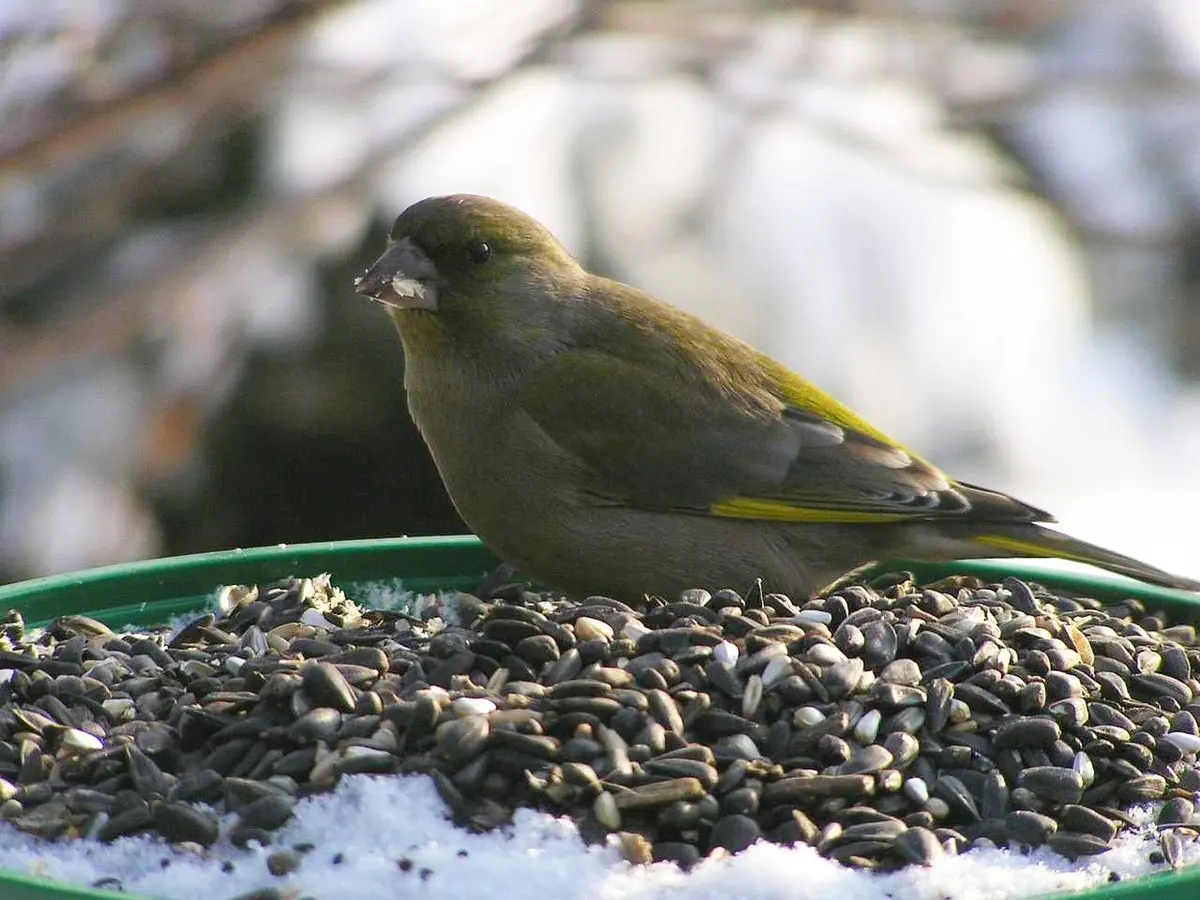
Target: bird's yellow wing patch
{"x": 1017, "y": 547}
{"x": 782, "y": 511}
{"x": 801, "y": 395}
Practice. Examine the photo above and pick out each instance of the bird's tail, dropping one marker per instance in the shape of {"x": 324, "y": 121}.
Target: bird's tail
{"x": 1029, "y": 540}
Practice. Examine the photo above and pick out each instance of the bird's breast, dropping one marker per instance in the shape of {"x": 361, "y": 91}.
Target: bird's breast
{"x": 499, "y": 468}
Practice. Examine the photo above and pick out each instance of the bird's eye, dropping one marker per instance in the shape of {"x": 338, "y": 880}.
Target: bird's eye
{"x": 480, "y": 252}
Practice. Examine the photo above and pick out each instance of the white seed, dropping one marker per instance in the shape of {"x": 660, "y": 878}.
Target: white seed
{"x": 119, "y": 709}
{"x": 812, "y": 617}
{"x": 232, "y": 596}
{"x": 497, "y": 680}
{"x": 774, "y": 651}
{"x": 867, "y": 728}
{"x": 1083, "y": 765}
{"x": 589, "y": 629}
{"x": 74, "y": 740}
{"x": 617, "y": 750}
{"x": 726, "y": 653}
{"x": 1070, "y": 658}
{"x": 890, "y": 780}
{"x": 779, "y": 667}
{"x": 1148, "y": 662}
{"x": 472, "y": 706}
{"x": 634, "y": 629}
{"x": 828, "y": 836}
{"x": 324, "y": 763}
{"x": 916, "y": 790}
{"x": 806, "y": 717}
{"x": 288, "y": 632}
{"x": 254, "y": 643}
{"x": 357, "y": 751}
{"x": 385, "y": 737}
{"x": 741, "y": 745}
{"x": 604, "y": 808}
{"x": 937, "y": 807}
{"x": 1080, "y": 643}
{"x": 195, "y": 668}
{"x": 316, "y": 619}
{"x": 436, "y": 693}
{"x": 283, "y": 782}
{"x": 752, "y": 696}
{"x": 825, "y": 655}
{"x": 1188, "y": 743}
{"x": 959, "y": 711}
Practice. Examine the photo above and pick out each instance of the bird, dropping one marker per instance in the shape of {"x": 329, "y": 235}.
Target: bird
{"x": 603, "y": 442}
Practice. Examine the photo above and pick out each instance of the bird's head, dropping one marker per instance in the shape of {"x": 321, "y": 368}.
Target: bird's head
{"x": 471, "y": 269}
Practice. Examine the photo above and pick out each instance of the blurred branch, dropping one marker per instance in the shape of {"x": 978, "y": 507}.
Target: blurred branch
{"x": 104, "y": 319}
{"x": 111, "y": 318}
{"x": 93, "y": 172}
{"x": 229, "y": 72}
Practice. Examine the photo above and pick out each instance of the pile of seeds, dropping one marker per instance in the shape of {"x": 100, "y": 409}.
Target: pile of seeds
{"x": 884, "y": 725}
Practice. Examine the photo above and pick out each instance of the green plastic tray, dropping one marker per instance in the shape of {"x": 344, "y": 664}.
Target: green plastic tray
{"x": 150, "y": 592}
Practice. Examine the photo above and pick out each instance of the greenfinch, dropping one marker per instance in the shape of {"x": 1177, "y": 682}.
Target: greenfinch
{"x": 602, "y": 441}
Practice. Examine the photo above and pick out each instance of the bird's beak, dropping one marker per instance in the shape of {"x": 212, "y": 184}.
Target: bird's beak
{"x": 403, "y": 278}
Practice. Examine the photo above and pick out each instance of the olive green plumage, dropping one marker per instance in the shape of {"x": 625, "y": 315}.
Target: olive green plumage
{"x": 604, "y": 442}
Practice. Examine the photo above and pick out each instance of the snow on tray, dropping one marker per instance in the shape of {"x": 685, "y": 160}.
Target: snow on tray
{"x": 388, "y": 837}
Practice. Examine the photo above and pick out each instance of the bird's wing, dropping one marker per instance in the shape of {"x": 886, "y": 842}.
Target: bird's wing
{"x": 646, "y": 437}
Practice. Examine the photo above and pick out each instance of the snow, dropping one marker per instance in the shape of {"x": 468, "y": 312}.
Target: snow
{"x": 388, "y": 836}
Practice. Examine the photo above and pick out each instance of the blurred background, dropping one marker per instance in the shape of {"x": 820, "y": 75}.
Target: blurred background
{"x": 976, "y": 221}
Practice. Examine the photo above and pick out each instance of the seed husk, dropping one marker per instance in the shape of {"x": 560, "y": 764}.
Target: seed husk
{"x": 1081, "y": 818}
{"x": 734, "y": 833}
{"x": 1027, "y": 731}
{"x": 1142, "y": 788}
{"x": 1177, "y": 811}
{"x": 1053, "y": 783}
{"x": 1172, "y": 847}
{"x": 1074, "y": 844}
{"x": 918, "y": 845}
{"x": 1031, "y": 828}
{"x": 803, "y": 791}
{"x": 659, "y": 793}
